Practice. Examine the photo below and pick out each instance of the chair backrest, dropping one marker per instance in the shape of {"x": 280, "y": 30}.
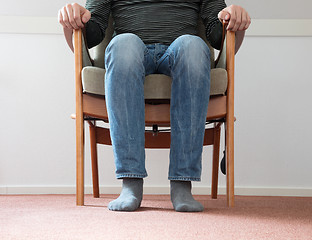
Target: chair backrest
{"x": 99, "y": 50}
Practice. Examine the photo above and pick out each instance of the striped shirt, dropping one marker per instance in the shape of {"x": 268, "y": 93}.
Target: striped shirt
{"x": 154, "y": 21}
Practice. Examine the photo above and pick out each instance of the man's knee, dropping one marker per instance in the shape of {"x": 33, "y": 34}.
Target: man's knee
{"x": 125, "y": 39}
{"x": 192, "y": 51}
{"x": 124, "y": 49}
{"x": 193, "y": 45}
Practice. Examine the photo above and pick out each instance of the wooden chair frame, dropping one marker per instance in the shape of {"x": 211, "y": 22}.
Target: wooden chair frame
{"x": 91, "y": 108}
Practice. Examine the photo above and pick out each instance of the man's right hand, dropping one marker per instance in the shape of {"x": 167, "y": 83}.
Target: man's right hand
{"x": 73, "y": 16}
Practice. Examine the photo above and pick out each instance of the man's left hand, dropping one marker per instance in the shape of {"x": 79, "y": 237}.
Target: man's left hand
{"x": 237, "y": 18}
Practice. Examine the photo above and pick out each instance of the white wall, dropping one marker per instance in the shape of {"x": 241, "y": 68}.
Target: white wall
{"x": 277, "y": 9}
{"x": 37, "y": 138}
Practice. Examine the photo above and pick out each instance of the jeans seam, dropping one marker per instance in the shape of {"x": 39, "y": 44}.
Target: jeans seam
{"x": 185, "y": 178}
{"x": 131, "y": 175}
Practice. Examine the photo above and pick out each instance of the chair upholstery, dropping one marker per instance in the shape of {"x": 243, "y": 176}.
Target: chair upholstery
{"x": 156, "y": 86}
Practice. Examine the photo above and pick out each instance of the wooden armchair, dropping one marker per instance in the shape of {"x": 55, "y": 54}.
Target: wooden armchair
{"x": 91, "y": 107}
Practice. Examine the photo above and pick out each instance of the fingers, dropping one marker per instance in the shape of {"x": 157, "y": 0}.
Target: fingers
{"x": 63, "y": 18}
{"x": 245, "y": 22}
{"x": 73, "y": 16}
{"x": 248, "y": 22}
{"x": 72, "y": 20}
{"x": 85, "y": 15}
{"x": 234, "y": 20}
{"x": 237, "y": 17}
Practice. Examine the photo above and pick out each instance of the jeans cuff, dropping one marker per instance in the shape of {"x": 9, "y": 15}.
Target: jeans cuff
{"x": 184, "y": 179}
{"x": 130, "y": 175}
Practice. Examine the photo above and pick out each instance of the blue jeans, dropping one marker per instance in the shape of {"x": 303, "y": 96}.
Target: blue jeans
{"x": 127, "y": 61}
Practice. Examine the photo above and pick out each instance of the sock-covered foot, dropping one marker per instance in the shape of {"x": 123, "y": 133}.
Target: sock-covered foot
{"x": 130, "y": 197}
{"x": 182, "y": 198}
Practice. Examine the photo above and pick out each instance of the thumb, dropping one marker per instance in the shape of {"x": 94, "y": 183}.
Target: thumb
{"x": 224, "y": 16}
{"x": 227, "y": 17}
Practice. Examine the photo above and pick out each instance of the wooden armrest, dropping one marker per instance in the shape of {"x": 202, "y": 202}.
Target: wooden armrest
{"x": 87, "y": 60}
{"x": 230, "y": 55}
{"x": 230, "y": 60}
{"x": 221, "y": 52}
{"x": 227, "y": 51}
{"x": 69, "y": 35}
{"x": 78, "y": 64}
{"x": 221, "y": 60}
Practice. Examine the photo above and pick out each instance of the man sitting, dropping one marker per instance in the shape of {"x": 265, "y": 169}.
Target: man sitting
{"x": 156, "y": 36}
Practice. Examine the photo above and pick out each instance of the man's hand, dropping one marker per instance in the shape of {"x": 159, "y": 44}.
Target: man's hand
{"x": 238, "y": 21}
{"x": 237, "y": 18}
{"x": 73, "y": 16}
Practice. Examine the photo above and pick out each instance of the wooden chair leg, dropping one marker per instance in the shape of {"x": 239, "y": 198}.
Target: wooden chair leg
{"x": 230, "y": 163}
{"x": 94, "y": 160}
{"x": 215, "y": 161}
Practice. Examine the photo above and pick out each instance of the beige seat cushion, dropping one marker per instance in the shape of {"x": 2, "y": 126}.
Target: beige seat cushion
{"x": 156, "y": 86}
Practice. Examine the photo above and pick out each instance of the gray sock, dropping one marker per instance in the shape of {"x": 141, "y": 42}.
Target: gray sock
{"x": 130, "y": 197}
{"x": 182, "y": 198}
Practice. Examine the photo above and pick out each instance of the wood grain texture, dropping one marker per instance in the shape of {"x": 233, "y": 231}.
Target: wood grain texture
{"x": 79, "y": 120}
{"x": 94, "y": 160}
{"x": 230, "y": 56}
{"x": 215, "y": 160}
{"x": 95, "y": 106}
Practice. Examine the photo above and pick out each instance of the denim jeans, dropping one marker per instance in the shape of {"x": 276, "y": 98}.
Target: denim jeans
{"x": 187, "y": 61}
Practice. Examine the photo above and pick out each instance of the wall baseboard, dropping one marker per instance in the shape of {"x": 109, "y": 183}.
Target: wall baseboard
{"x": 259, "y": 27}
{"x": 244, "y": 191}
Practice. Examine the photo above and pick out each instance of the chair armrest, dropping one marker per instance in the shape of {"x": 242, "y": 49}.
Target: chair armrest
{"x": 230, "y": 61}
{"x": 230, "y": 57}
{"x": 86, "y": 58}
{"x": 221, "y": 59}
{"x": 78, "y": 60}
{"x": 79, "y": 115}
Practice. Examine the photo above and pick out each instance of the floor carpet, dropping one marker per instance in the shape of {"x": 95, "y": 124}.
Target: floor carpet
{"x": 56, "y": 217}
